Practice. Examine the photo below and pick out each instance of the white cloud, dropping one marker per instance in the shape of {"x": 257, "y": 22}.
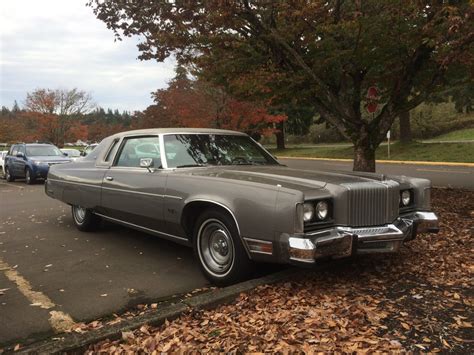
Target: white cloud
{"x": 60, "y": 44}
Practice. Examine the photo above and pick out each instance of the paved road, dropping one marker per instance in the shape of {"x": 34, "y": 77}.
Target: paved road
{"x": 442, "y": 176}
{"x": 52, "y": 272}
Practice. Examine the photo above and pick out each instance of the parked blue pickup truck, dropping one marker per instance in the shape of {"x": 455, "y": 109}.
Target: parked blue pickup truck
{"x": 31, "y": 161}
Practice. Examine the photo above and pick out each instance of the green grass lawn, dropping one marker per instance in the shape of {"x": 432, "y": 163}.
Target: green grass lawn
{"x": 447, "y": 152}
{"x": 460, "y": 135}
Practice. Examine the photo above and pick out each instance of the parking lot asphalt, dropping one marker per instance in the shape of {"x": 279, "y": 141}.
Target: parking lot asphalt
{"x": 51, "y": 274}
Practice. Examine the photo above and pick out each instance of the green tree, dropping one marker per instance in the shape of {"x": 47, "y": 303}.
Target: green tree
{"x": 5, "y": 111}
{"x": 16, "y": 107}
{"x": 330, "y": 51}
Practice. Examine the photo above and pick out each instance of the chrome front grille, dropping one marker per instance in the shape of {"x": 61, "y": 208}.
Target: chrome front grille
{"x": 372, "y": 203}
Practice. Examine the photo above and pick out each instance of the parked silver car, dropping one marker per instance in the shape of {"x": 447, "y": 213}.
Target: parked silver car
{"x": 235, "y": 204}
{"x": 3, "y": 154}
{"x": 71, "y": 153}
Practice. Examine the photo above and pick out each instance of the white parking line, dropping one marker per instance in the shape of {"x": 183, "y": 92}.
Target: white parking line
{"x": 18, "y": 187}
{"x": 59, "y": 321}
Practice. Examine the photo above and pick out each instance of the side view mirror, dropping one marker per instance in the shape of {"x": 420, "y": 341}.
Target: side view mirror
{"x": 83, "y": 154}
{"x": 146, "y": 163}
{"x": 20, "y": 155}
{"x": 65, "y": 154}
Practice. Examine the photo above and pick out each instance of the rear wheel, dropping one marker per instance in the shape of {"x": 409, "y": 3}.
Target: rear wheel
{"x": 219, "y": 250}
{"x": 29, "y": 178}
{"x": 84, "y": 219}
{"x": 8, "y": 175}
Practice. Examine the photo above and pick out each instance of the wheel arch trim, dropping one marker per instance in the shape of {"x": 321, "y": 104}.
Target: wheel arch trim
{"x": 220, "y": 204}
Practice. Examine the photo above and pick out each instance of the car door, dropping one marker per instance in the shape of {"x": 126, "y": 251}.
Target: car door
{"x": 14, "y": 161}
{"x": 20, "y": 162}
{"x": 133, "y": 194}
{"x": 10, "y": 161}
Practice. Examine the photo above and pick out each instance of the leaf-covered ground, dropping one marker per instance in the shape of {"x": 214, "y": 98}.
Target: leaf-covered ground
{"x": 418, "y": 300}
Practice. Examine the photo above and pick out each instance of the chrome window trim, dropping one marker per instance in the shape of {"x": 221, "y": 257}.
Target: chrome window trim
{"x": 141, "y": 227}
{"x": 115, "y": 141}
{"x": 265, "y": 150}
{"x": 122, "y": 143}
{"x": 164, "y": 161}
{"x": 130, "y": 168}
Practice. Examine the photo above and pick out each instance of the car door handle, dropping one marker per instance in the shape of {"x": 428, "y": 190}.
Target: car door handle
{"x": 109, "y": 178}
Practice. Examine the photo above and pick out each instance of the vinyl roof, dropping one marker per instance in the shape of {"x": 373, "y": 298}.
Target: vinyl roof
{"x": 177, "y": 131}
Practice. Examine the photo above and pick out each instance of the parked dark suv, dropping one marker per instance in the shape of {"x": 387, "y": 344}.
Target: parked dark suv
{"x": 31, "y": 161}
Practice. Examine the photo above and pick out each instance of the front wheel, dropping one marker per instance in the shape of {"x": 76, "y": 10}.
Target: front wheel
{"x": 8, "y": 175}
{"x": 84, "y": 219}
{"x": 29, "y": 178}
{"x": 219, "y": 250}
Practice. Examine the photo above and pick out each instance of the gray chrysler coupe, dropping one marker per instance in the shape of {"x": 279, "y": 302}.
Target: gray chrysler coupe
{"x": 223, "y": 194}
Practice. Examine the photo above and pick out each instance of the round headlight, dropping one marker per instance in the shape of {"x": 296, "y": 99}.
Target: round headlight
{"x": 406, "y": 198}
{"x": 308, "y": 212}
{"x": 322, "y": 209}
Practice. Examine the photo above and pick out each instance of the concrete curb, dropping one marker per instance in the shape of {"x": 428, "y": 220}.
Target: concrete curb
{"x": 77, "y": 343}
{"x": 408, "y": 162}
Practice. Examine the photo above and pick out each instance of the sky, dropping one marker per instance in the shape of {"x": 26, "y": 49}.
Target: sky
{"x": 61, "y": 44}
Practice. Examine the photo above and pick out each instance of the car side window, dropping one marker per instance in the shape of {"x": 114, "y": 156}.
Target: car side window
{"x": 14, "y": 150}
{"x": 21, "y": 149}
{"x": 136, "y": 148}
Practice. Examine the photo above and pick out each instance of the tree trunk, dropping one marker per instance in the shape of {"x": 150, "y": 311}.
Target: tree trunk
{"x": 364, "y": 157}
{"x": 280, "y": 136}
{"x": 405, "y": 127}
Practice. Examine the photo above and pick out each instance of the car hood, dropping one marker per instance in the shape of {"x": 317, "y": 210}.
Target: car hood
{"x": 287, "y": 177}
{"x": 55, "y": 159}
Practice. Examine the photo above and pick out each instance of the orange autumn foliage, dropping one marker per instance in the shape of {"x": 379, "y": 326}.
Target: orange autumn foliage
{"x": 187, "y": 103}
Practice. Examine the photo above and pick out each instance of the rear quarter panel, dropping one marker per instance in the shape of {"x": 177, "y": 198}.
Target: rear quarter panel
{"x": 76, "y": 183}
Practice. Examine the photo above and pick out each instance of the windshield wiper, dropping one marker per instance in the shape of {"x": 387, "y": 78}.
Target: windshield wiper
{"x": 190, "y": 165}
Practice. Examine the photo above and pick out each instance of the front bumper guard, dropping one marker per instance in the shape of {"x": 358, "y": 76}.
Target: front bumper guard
{"x": 339, "y": 242}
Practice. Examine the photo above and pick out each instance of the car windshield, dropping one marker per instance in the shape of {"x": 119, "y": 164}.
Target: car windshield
{"x": 43, "y": 151}
{"x": 187, "y": 150}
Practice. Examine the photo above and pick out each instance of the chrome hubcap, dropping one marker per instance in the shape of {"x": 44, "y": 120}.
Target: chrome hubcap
{"x": 79, "y": 213}
{"x": 216, "y": 247}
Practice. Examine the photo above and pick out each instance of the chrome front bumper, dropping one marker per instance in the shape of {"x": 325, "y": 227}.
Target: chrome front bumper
{"x": 339, "y": 242}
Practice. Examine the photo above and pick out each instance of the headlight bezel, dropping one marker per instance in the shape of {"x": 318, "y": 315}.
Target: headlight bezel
{"x": 411, "y": 199}
{"x": 322, "y": 210}
{"x": 310, "y": 209}
{"x": 39, "y": 162}
{"x": 317, "y": 220}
